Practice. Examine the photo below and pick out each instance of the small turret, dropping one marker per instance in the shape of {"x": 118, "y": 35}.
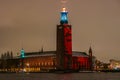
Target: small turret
{"x": 90, "y": 59}
{"x": 90, "y": 51}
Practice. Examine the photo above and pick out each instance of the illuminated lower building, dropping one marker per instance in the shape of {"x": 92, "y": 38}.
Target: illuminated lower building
{"x": 39, "y": 61}
{"x": 80, "y": 61}
{"x": 114, "y": 64}
{"x": 43, "y": 62}
{"x": 47, "y": 61}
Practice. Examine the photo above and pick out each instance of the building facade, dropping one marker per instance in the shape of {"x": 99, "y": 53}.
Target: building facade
{"x": 45, "y": 61}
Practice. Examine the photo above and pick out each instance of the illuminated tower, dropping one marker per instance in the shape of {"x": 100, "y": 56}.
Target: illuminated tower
{"x": 64, "y": 43}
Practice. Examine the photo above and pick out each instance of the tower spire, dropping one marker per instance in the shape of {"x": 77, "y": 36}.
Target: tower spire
{"x": 90, "y": 58}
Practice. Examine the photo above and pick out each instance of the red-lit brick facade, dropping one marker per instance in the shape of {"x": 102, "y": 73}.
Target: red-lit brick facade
{"x": 80, "y": 63}
{"x": 64, "y": 47}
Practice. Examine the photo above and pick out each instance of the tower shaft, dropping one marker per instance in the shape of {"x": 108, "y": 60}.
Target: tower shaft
{"x": 64, "y": 43}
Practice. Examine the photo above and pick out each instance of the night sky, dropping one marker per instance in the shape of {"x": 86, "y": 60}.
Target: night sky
{"x": 31, "y": 24}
